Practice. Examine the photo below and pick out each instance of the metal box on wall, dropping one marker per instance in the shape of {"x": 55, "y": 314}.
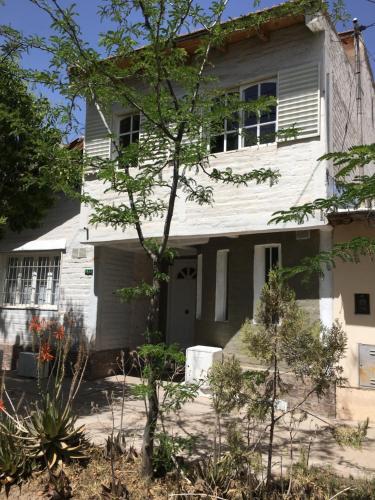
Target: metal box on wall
{"x": 366, "y": 354}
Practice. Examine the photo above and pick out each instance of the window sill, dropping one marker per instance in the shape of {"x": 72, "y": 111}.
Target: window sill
{"x": 30, "y": 307}
{"x": 245, "y": 148}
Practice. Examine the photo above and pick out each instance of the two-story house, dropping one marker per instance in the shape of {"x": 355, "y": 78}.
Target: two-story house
{"x": 227, "y": 250}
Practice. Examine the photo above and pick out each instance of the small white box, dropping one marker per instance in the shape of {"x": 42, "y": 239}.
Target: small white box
{"x": 199, "y": 360}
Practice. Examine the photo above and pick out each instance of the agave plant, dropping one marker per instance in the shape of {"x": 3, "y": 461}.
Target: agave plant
{"x": 15, "y": 463}
{"x": 53, "y": 433}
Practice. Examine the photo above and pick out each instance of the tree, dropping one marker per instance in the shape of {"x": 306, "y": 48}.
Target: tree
{"x": 283, "y": 334}
{"x": 31, "y": 153}
{"x": 169, "y": 86}
{"x": 355, "y": 187}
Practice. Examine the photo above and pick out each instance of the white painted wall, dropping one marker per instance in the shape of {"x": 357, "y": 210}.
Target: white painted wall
{"x": 243, "y": 209}
{"x": 63, "y": 221}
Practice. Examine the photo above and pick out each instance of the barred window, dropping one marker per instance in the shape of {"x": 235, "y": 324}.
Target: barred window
{"x": 32, "y": 280}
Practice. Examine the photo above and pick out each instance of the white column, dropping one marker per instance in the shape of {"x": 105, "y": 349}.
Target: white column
{"x": 326, "y": 281}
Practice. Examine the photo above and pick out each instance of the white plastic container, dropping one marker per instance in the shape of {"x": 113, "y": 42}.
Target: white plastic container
{"x": 199, "y": 360}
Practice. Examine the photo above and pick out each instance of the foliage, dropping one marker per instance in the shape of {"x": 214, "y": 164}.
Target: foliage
{"x": 355, "y": 189}
{"x": 53, "y": 434}
{"x": 167, "y": 449}
{"x": 33, "y": 164}
{"x": 352, "y": 437}
{"x": 15, "y": 463}
{"x": 281, "y": 334}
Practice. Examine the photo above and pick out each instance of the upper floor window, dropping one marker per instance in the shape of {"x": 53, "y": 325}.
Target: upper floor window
{"x": 32, "y": 280}
{"x": 259, "y": 128}
{"x": 246, "y": 128}
{"x": 129, "y": 130}
{"x": 229, "y": 140}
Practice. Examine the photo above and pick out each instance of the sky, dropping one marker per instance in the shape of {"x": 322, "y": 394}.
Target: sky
{"x": 25, "y": 17}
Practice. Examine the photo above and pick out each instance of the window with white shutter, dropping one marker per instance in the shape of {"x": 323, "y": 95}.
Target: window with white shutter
{"x": 299, "y": 100}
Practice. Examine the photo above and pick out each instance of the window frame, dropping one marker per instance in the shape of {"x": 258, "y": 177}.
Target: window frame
{"x": 131, "y": 132}
{"x": 259, "y": 124}
{"x": 259, "y": 270}
{"x": 27, "y": 280}
{"x": 241, "y": 127}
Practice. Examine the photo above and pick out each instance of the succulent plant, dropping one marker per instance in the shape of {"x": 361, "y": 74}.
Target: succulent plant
{"x": 15, "y": 463}
{"x": 54, "y": 435}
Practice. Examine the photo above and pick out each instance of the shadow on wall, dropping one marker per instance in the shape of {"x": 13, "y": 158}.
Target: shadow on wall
{"x": 16, "y": 335}
{"x": 56, "y": 222}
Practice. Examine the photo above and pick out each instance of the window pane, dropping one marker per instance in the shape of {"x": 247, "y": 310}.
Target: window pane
{"x": 232, "y": 141}
{"x": 136, "y": 119}
{"x": 135, "y": 137}
{"x": 26, "y": 280}
{"x": 125, "y": 140}
{"x": 233, "y": 124}
{"x": 251, "y": 93}
{"x": 125, "y": 125}
{"x": 41, "y": 280}
{"x": 250, "y": 136}
{"x": 267, "y": 133}
{"x": 268, "y": 89}
{"x": 217, "y": 144}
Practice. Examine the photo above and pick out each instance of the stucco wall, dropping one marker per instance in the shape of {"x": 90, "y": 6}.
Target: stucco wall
{"x": 240, "y": 286}
{"x": 351, "y": 278}
{"x": 244, "y": 209}
{"x": 119, "y": 325}
{"x": 76, "y": 290}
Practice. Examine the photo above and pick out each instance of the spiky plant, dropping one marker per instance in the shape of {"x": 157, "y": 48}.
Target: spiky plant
{"x": 15, "y": 463}
{"x": 54, "y": 435}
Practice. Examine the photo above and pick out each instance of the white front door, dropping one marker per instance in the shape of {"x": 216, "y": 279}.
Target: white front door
{"x": 182, "y": 291}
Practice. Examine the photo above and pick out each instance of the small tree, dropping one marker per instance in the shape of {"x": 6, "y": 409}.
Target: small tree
{"x": 284, "y": 335}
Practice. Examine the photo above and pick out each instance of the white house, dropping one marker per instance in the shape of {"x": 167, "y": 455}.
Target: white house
{"x": 226, "y": 250}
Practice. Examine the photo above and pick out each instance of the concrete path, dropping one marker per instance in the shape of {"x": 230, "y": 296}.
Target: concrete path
{"x": 99, "y": 405}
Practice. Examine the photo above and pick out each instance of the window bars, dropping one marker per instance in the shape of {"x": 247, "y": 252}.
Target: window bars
{"x": 32, "y": 280}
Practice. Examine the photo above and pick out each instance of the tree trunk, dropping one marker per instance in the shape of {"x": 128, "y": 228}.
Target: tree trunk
{"x": 272, "y": 425}
{"x": 152, "y": 337}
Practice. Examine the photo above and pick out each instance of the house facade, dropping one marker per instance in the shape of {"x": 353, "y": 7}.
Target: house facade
{"x": 225, "y": 251}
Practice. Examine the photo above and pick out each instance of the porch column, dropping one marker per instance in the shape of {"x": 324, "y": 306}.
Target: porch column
{"x": 326, "y": 281}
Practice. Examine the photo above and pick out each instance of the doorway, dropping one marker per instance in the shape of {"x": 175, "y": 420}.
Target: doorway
{"x": 182, "y": 290}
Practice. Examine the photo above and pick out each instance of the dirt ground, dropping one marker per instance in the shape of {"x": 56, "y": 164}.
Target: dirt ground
{"x": 98, "y": 403}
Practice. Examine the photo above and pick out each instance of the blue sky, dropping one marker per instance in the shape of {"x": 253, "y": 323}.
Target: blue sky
{"x": 22, "y": 15}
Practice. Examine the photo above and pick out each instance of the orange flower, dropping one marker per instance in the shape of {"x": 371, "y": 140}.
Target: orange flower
{"x": 2, "y": 405}
{"x": 59, "y": 333}
{"x": 35, "y": 325}
{"x": 45, "y": 352}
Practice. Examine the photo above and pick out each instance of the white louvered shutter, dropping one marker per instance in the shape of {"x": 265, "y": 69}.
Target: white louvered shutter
{"x": 299, "y": 100}
{"x": 97, "y": 142}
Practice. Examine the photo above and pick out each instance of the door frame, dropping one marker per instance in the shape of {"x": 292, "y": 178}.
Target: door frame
{"x": 193, "y": 259}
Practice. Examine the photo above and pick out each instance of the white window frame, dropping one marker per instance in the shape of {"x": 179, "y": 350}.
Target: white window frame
{"x": 258, "y": 124}
{"x": 198, "y": 308}
{"x": 221, "y": 289}
{"x": 241, "y": 119}
{"x": 22, "y": 280}
{"x": 131, "y": 131}
{"x": 259, "y": 270}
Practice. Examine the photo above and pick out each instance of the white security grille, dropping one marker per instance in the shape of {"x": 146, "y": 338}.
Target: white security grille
{"x": 32, "y": 280}
{"x": 299, "y": 100}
